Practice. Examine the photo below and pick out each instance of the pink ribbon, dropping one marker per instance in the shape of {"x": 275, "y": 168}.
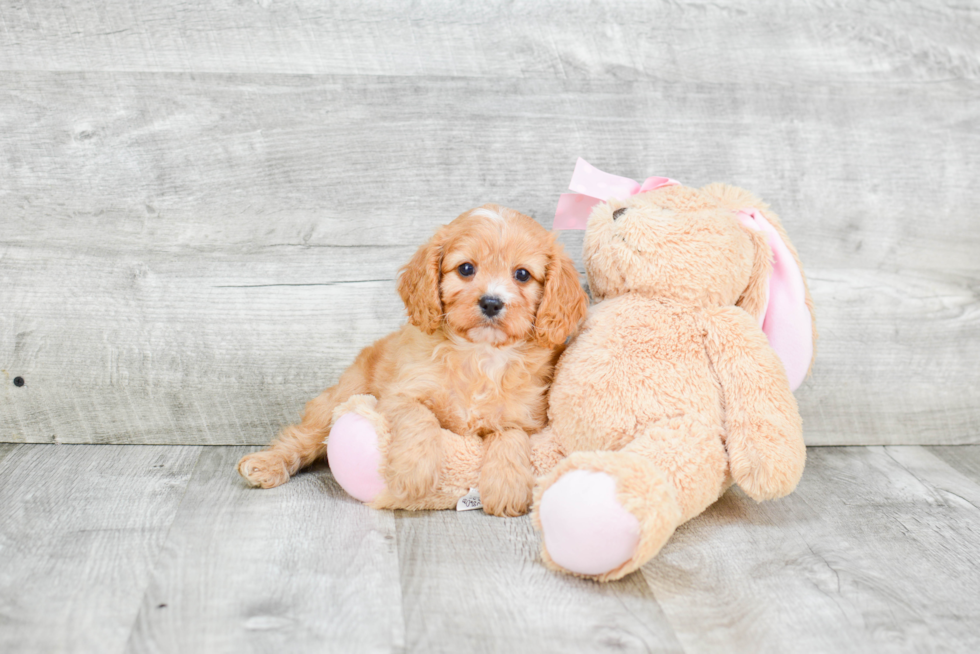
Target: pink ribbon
{"x": 592, "y": 186}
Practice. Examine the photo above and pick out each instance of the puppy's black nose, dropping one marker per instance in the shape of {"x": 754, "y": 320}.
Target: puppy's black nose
{"x": 490, "y": 305}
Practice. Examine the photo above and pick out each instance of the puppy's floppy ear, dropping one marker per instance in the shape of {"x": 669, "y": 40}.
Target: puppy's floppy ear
{"x": 418, "y": 285}
{"x": 564, "y": 303}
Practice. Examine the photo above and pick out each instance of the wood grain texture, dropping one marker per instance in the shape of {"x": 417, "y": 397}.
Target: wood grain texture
{"x": 723, "y": 41}
{"x": 80, "y": 530}
{"x": 871, "y": 553}
{"x": 475, "y": 583}
{"x": 162, "y": 549}
{"x": 964, "y": 458}
{"x": 299, "y": 568}
{"x": 195, "y": 238}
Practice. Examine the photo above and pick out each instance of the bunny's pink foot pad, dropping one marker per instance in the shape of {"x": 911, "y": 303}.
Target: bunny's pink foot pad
{"x": 585, "y": 528}
{"x": 352, "y": 450}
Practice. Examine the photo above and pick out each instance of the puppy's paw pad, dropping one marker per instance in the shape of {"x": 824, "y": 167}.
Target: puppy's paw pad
{"x": 585, "y": 528}
{"x": 263, "y": 469}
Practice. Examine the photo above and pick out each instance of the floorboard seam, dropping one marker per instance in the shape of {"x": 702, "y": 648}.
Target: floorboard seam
{"x": 163, "y": 544}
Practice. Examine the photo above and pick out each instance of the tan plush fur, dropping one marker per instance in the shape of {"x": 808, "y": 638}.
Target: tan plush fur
{"x": 671, "y": 386}
{"x": 453, "y": 379}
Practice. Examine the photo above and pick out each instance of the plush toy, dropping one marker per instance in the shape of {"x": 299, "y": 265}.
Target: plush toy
{"x": 678, "y": 384}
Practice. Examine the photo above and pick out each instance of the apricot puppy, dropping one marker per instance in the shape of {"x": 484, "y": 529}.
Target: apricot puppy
{"x": 491, "y": 300}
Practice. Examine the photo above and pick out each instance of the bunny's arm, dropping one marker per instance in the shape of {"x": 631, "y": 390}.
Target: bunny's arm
{"x": 763, "y": 430}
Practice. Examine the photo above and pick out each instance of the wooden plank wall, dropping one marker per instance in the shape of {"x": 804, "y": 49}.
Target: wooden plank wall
{"x": 203, "y": 206}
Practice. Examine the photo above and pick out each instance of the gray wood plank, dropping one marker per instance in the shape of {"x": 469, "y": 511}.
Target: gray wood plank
{"x": 475, "y": 583}
{"x": 80, "y": 530}
{"x": 209, "y": 365}
{"x": 964, "y": 458}
{"x": 875, "y": 551}
{"x": 725, "y": 41}
{"x": 6, "y": 449}
{"x": 189, "y": 258}
{"x": 302, "y": 567}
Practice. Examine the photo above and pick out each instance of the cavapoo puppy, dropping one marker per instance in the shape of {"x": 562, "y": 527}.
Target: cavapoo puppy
{"x": 491, "y": 301}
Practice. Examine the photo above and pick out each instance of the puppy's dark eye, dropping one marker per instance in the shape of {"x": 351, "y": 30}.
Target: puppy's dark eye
{"x": 618, "y": 212}
{"x": 466, "y": 269}
{"x": 522, "y": 275}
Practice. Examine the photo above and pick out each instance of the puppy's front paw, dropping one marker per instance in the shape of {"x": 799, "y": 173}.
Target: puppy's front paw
{"x": 505, "y": 493}
{"x": 265, "y": 469}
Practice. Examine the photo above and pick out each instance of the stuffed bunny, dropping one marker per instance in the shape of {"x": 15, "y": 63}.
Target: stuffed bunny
{"x": 678, "y": 384}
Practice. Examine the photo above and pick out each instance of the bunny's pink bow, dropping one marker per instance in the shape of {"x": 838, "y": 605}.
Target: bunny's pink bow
{"x": 593, "y": 186}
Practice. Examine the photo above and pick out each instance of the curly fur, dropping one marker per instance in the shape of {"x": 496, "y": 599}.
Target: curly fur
{"x": 451, "y": 373}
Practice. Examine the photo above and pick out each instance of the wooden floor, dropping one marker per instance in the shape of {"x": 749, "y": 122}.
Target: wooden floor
{"x": 111, "y": 548}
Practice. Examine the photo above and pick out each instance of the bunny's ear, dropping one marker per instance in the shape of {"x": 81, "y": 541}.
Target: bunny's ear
{"x": 784, "y": 306}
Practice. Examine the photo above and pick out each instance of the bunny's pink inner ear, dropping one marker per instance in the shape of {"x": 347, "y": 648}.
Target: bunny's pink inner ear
{"x": 786, "y": 320}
